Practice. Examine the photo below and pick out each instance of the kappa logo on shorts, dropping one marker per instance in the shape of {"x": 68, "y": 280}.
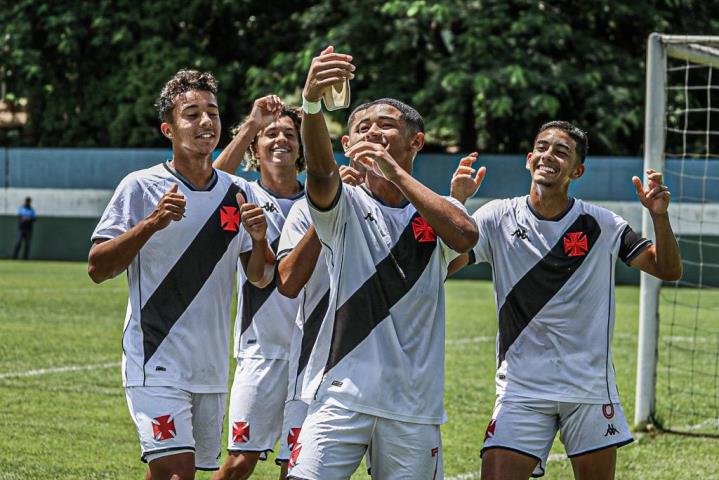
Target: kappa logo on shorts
{"x": 294, "y": 455}
{"x": 230, "y": 218}
{"x": 423, "y": 231}
{"x": 292, "y": 437}
{"x": 241, "y": 432}
{"x": 163, "y": 428}
{"x": 490, "y": 429}
{"x": 575, "y": 244}
{"x": 611, "y": 431}
{"x": 608, "y": 411}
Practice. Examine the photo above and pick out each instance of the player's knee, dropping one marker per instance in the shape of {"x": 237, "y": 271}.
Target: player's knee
{"x": 240, "y": 466}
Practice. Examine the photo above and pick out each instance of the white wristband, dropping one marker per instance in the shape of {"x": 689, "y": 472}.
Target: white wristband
{"x": 311, "y": 107}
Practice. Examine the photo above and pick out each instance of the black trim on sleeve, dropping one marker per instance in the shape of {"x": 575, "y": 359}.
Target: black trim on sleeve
{"x": 332, "y": 205}
{"x": 631, "y": 245}
{"x": 185, "y": 279}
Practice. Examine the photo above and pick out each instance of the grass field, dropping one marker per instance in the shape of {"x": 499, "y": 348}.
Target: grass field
{"x": 63, "y": 413}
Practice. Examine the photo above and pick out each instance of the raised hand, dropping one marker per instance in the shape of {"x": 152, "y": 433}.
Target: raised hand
{"x": 351, "y": 175}
{"x": 171, "y": 207}
{"x": 655, "y": 196}
{"x": 266, "y": 110}
{"x": 375, "y": 158}
{"x": 464, "y": 185}
{"x": 327, "y": 69}
{"x": 253, "y": 219}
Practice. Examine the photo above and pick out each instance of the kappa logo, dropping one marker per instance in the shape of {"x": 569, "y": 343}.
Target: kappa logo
{"x": 270, "y": 207}
{"x": 521, "y": 233}
{"x": 370, "y": 218}
{"x": 423, "y": 231}
{"x": 608, "y": 411}
{"x": 241, "y": 432}
{"x": 611, "y": 431}
{"x": 163, "y": 428}
{"x": 576, "y": 244}
{"x": 230, "y": 218}
{"x": 490, "y": 429}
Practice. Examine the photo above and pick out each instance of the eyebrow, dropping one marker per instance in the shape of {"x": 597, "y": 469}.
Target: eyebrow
{"x": 194, "y": 105}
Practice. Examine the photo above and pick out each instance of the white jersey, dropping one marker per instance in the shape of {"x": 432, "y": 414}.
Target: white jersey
{"x": 380, "y": 351}
{"x": 265, "y": 318}
{"x": 554, "y": 288}
{"x": 313, "y": 299}
{"x": 181, "y": 281}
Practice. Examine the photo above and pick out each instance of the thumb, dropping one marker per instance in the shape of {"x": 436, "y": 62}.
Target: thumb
{"x": 329, "y": 49}
{"x": 173, "y": 188}
{"x": 240, "y": 199}
{"x": 638, "y": 186}
{"x": 480, "y": 176}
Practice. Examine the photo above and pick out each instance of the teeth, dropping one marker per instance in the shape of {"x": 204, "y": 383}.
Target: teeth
{"x": 280, "y": 150}
{"x": 545, "y": 168}
{"x": 206, "y": 135}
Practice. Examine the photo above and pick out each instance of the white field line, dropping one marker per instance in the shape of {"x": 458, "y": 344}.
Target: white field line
{"x": 70, "y": 368}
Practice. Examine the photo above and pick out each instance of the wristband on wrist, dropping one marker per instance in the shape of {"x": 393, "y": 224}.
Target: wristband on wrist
{"x": 311, "y": 107}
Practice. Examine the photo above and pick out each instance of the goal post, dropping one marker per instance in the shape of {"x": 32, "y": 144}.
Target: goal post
{"x": 694, "y": 51}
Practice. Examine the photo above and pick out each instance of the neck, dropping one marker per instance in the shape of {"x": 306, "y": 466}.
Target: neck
{"x": 385, "y": 191}
{"x": 282, "y": 181}
{"x": 549, "y": 202}
{"x": 196, "y": 168}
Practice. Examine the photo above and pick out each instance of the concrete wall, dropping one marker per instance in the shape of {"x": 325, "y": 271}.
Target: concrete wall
{"x": 71, "y": 187}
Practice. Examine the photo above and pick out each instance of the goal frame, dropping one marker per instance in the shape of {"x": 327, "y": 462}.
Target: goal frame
{"x": 659, "y": 48}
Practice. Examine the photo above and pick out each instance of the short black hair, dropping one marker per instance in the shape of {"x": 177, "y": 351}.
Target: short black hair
{"x": 411, "y": 117}
{"x": 183, "y": 81}
{"x": 578, "y": 135}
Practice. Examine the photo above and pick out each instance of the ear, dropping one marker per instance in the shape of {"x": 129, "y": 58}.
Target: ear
{"x": 418, "y": 142}
{"x": 578, "y": 171}
{"x": 345, "y": 142}
{"x": 166, "y": 129}
{"x": 526, "y": 163}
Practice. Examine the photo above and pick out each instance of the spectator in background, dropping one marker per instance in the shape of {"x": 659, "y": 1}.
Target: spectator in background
{"x": 25, "y": 219}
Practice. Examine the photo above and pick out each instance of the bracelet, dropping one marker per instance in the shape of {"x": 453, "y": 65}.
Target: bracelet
{"x": 311, "y": 107}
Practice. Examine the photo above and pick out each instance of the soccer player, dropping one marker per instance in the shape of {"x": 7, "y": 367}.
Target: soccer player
{"x": 553, "y": 263}
{"x": 175, "y": 228}
{"x": 265, "y": 318}
{"x": 377, "y": 369}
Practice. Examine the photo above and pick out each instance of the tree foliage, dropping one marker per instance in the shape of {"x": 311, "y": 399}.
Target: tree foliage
{"x": 484, "y": 73}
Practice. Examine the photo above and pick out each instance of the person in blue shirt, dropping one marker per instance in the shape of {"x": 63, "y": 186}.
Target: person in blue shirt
{"x": 25, "y": 219}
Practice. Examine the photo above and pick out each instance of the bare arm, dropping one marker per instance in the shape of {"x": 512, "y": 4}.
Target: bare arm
{"x": 323, "y": 178}
{"x": 294, "y": 270}
{"x": 265, "y": 110}
{"x": 663, "y": 259}
{"x": 108, "y": 258}
{"x": 259, "y": 263}
{"x": 457, "y": 264}
{"x": 451, "y": 223}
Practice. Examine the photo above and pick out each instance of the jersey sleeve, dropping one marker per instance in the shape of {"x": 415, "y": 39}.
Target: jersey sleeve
{"x": 295, "y": 227}
{"x": 486, "y": 218}
{"x": 631, "y": 244}
{"x": 330, "y": 222}
{"x": 448, "y": 253}
{"x": 125, "y": 210}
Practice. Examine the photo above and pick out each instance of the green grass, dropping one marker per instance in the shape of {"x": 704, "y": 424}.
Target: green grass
{"x": 75, "y": 425}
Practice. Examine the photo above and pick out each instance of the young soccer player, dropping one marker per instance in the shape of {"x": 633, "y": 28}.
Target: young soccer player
{"x": 265, "y": 318}
{"x": 377, "y": 370}
{"x": 553, "y": 262}
{"x": 175, "y": 228}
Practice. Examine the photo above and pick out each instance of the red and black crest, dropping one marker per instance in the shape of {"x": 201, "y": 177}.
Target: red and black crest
{"x": 423, "y": 231}
{"x": 230, "y": 218}
{"x": 163, "y": 428}
{"x": 241, "y": 432}
{"x": 575, "y": 244}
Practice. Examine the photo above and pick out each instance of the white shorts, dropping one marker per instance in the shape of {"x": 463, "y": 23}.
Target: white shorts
{"x": 257, "y": 403}
{"x": 171, "y": 421}
{"x": 529, "y": 427}
{"x": 334, "y": 439}
{"x": 295, "y": 414}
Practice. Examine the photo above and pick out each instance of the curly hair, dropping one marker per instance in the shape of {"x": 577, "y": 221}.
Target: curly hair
{"x": 183, "y": 81}
{"x": 252, "y": 161}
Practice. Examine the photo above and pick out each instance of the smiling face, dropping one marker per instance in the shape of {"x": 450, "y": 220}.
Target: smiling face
{"x": 554, "y": 161}
{"x": 278, "y": 144}
{"x": 383, "y": 124}
{"x": 195, "y": 126}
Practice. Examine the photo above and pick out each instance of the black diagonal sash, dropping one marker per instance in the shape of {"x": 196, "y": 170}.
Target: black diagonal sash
{"x": 395, "y": 275}
{"x": 311, "y": 329}
{"x": 182, "y": 283}
{"x": 254, "y": 297}
{"x": 542, "y": 282}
